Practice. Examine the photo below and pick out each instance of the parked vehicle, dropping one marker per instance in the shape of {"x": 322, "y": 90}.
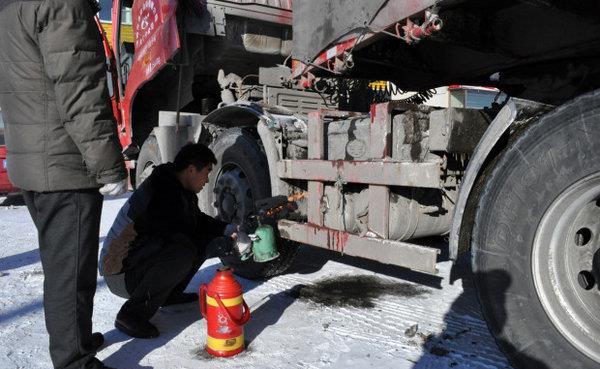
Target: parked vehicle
{"x": 5, "y": 186}
{"x": 516, "y": 183}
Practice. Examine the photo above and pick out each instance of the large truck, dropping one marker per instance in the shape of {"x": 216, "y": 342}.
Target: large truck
{"x": 5, "y": 186}
{"x": 287, "y": 105}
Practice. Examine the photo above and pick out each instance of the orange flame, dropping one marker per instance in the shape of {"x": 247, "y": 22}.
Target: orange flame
{"x": 296, "y": 196}
{"x": 291, "y": 199}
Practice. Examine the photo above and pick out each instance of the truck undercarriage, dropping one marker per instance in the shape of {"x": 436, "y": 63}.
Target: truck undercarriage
{"x": 515, "y": 183}
{"x": 545, "y": 51}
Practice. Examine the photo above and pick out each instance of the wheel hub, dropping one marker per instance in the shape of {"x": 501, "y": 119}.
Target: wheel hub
{"x": 233, "y": 195}
{"x": 565, "y": 264}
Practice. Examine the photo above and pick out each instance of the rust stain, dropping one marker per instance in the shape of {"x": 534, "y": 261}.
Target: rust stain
{"x": 336, "y": 240}
{"x": 338, "y": 164}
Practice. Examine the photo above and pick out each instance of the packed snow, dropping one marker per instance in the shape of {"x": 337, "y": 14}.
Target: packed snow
{"x": 327, "y": 311}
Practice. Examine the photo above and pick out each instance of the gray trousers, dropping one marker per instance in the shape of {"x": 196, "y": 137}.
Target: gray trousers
{"x": 68, "y": 224}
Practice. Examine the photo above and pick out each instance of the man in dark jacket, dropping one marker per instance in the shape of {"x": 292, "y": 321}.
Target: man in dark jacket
{"x": 159, "y": 240}
{"x": 62, "y": 146}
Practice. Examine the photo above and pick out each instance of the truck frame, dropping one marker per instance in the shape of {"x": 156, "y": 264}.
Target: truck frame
{"x": 516, "y": 184}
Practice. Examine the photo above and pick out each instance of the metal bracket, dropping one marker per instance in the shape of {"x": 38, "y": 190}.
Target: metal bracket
{"x": 218, "y": 15}
{"x": 408, "y": 255}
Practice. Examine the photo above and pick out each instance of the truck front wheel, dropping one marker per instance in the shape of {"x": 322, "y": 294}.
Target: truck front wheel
{"x": 536, "y": 241}
{"x": 148, "y": 159}
{"x": 241, "y": 177}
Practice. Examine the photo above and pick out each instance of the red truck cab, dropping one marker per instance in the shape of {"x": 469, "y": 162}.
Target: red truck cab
{"x": 5, "y": 186}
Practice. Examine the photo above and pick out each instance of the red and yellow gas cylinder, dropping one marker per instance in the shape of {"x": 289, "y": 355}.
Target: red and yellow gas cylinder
{"x": 226, "y": 312}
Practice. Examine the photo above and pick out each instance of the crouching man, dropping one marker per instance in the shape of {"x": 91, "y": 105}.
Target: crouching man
{"x": 159, "y": 240}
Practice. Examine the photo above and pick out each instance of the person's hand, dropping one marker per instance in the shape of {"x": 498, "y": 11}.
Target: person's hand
{"x": 114, "y": 189}
{"x": 230, "y": 231}
{"x": 243, "y": 243}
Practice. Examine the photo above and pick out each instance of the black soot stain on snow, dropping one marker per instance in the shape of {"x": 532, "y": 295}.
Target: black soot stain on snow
{"x": 202, "y": 355}
{"x": 357, "y": 291}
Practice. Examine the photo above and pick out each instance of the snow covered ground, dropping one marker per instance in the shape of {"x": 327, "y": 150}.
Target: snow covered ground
{"x": 328, "y": 311}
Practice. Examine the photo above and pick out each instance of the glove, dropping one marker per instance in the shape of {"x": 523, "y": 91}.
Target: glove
{"x": 114, "y": 189}
{"x": 243, "y": 243}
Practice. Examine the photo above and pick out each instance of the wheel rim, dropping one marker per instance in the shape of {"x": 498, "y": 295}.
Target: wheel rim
{"x": 233, "y": 195}
{"x": 565, "y": 275}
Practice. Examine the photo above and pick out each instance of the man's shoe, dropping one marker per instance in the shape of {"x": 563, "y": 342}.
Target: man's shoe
{"x": 135, "y": 327}
{"x": 97, "y": 340}
{"x": 181, "y": 298}
{"x": 96, "y": 364}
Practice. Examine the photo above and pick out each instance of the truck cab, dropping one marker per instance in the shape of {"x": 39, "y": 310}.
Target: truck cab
{"x": 167, "y": 55}
{"x": 5, "y": 186}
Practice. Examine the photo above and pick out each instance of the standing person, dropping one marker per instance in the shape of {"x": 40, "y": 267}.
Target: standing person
{"x": 62, "y": 146}
{"x": 160, "y": 238}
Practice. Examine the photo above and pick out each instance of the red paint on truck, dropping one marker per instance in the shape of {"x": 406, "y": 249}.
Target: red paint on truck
{"x": 5, "y": 185}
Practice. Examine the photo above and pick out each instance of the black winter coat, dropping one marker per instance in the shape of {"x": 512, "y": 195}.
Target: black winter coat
{"x": 158, "y": 212}
{"x": 173, "y": 210}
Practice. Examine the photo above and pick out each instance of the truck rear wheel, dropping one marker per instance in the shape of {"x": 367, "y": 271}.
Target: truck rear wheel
{"x": 536, "y": 241}
{"x": 240, "y": 178}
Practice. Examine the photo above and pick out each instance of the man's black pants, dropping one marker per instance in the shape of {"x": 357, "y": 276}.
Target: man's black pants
{"x": 151, "y": 280}
{"x": 68, "y": 224}
{"x": 159, "y": 268}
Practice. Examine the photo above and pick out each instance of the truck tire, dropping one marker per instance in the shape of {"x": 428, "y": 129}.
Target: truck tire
{"x": 148, "y": 159}
{"x": 240, "y": 177}
{"x": 536, "y": 240}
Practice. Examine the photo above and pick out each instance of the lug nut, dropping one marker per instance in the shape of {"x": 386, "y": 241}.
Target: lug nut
{"x": 583, "y": 236}
{"x": 586, "y": 280}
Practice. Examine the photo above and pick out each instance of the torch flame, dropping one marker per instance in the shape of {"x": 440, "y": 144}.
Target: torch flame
{"x": 296, "y": 196}
{"x": 291, "y": 199}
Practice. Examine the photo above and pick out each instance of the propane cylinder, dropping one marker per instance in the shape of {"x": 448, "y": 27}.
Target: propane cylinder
{"x": 226, "y": 312}
{"x": 264, "y": 247}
